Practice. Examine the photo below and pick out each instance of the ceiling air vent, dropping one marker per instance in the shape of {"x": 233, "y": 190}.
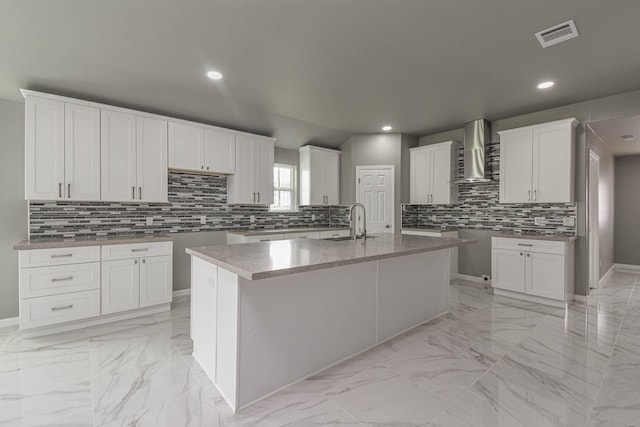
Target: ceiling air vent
{"x": 557, "y": 34}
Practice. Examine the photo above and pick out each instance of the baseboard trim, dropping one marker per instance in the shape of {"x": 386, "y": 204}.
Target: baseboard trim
{"x": 9, "y": 321}
{"x": 531, "y": 298}
{"x": 626, "y": 267}
{"x": 580, "y": 298}
{"x": 474, "y": 279}
{"x": 181, "y": 292}
{"x": 606, "y": 275}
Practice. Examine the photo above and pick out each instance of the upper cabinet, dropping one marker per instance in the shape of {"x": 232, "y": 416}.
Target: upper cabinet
{"x": 133, "y": 158}
{"x": 319, "y": 176}
{"x": 537, "y": 163}
{"x": 200, "y": 148}
{"x": 252, "y": 184}
{"x": 62, "y": 150}
{"x": 432, "y": 169}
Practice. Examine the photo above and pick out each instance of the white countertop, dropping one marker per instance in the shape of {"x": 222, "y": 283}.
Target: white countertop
{"x": 262, "y": 260}
{"x": 56, "y": 242}
{"x": 536, "y": 236}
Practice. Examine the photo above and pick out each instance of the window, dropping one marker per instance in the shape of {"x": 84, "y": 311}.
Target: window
{"x": 284, "y": 188}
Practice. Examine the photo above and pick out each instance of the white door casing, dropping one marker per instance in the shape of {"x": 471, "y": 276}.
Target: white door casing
{"x": 594, "y": 228}
{"x": 374, "y": 189}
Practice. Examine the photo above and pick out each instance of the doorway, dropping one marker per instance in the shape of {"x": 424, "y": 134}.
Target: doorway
{"x": 593, "y": 215}
{"x": 374, "y": 189}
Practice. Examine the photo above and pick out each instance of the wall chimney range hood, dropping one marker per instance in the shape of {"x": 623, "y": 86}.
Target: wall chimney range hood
{"x": 477, "y": 135}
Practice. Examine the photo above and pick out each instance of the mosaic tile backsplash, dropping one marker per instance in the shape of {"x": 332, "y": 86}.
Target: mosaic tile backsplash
{"x": 479, "y": 207}
{"x": 190, "y": 197}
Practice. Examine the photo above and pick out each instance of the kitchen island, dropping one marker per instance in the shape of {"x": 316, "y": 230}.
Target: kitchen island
{"x": 265, "y": 315}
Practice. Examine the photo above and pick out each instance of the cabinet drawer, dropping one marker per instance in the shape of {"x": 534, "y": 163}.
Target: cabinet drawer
{"x": 49, "y": 310}
{"x": 136, "y": 250}
{"x": 529, "y": 245}
{"x": 334, "y": 233}
{"x": 59, "y": 256}
{"x": 302, "y": 235}
{"x": 59, "y": 279}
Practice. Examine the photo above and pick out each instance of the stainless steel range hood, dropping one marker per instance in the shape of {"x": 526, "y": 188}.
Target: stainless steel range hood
{"x": 477, "y": 135}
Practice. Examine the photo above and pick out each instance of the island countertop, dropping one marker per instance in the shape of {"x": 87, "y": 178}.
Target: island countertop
{"x": 262, "y": 260}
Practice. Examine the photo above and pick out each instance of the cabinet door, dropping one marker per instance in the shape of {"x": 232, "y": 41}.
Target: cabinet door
{"x": 545, "y": 275}
{"x": 241, "y": 184}
{"x": 120, "y": 285}
{"x": 263, "y": 183}
{"x": 317, "y": 176}
{"x": 441, "y": 175}
{"x": 552, "y": 163}
{"x": 44, "y": 149}
{"x": 332, "y": 177}
{"x": 156, "y": 280}
{"x": 516, "y": 166}
{"x": 82, "y": 152}
{"x": 508, "y": 269}
{"x": 219, "y": 151}
{"x": 420, "y": 176}
{"x": 151, "y": 153}
{"x": 118, "y": 156}
{"x": 186, "y": 147}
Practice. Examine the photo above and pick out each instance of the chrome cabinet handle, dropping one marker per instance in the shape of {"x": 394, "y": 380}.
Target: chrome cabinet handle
{"x": 258, "y": 197}
{"x": 202, "y": 167}
{"x": 62, "y": 307}
{"x": 140, "y": 193}
{"x": 521, "y": 253}
{"x": 140, "y": 250}
{"x": 524, "y": 244}
{"x": 528, "y": 255}
{"x": 133, "y": 193}
{"x": 529, "y": 195}
{"x": 135, "y": 261}
{"x": 62, "y": 279}
{"x": 207, "y": 167}
{"x": 254, "y": 197}
{"x": 60, "y": 190}
{"x": 61, "y": 256}
{"x": 535, "y": 195}
{"x": 144, "y": 261}
{"x": 69, "y": 190}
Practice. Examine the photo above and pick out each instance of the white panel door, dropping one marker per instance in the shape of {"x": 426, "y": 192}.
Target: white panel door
{"x": 516, "y": 166}
{"x": 545, "y": 275}
{"x": 82, "y": 152}
{"x": 332, "y": 177}
{"x": 552, "y": 159}
{"x": 186, "y": 147}
{"x": 374, "y": 192}
{"x": 244, "y": 178}
{"x": 120, "y": 285}
{"x": 118, "y": 156}
{"x": 421, "y": 184}
{"x": 44, "y": 149}
{"x": 151, "y": 155}
{"x": 441, "y": 176}
{"x": 263, "y": 183}
{"x": 317, "y": 177}
{"x": 156, "y": 280}
{"x": 508, "y": 269}
{"x": 219, "y": 151}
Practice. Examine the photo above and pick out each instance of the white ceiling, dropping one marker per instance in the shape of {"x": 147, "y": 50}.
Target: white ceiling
{"x": 611, "y": 132}
{"x": 318, "y": 71}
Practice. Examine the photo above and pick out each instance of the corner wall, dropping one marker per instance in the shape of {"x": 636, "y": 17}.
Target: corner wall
{"x": 627, "y": 210}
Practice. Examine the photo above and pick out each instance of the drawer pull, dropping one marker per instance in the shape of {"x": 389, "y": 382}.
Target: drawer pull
{"x": 61, "y": 255}
{"x": 62, "y": 307}
{"x": 62, "y": 279}
{"x": 140, "y": 250}
{"x": 524, "y": 244}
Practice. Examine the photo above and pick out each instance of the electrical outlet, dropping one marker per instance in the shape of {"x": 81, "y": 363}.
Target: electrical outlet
{"x": 569, "y": 221}
{"x": 539, "y": 220}
{"x": 149, "y": 220}
{"x": 313, "y": 217}
{"x": 203, "y": 219}
{"x": 252, "y": 219}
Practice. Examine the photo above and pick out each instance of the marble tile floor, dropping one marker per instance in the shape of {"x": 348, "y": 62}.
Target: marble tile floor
{"x": 491, "y": 361}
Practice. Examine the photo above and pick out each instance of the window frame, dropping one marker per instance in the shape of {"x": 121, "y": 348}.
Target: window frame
{"x": 293, "y": 189}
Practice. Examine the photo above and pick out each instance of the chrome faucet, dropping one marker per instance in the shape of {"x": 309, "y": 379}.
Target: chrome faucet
{"x": 353, "y": 222}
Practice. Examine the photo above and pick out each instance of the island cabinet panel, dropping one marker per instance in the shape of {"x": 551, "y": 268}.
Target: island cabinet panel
{"x": 403, "y": 304}
{"x": 204, "y": 292}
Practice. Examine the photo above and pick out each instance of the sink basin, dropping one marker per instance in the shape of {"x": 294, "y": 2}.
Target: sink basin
{"x": 340, "y": 239}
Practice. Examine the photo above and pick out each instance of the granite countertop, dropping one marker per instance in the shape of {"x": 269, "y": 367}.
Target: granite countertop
{"x": 536, "y": 236}
{"x": 284, "y": 230}
{"x": 263, "y": 260}
{"x": 429, "y": 228}
{"x": 54, "y": 242}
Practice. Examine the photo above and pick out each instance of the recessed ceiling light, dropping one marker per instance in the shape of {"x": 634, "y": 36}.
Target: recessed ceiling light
{"x": 545, "y": 85}
{"x": 628, "y": 137}
{"x": 386, "y": 128}
{"x": 214, "y": 75}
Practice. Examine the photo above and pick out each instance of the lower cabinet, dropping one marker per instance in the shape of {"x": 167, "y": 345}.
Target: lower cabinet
{"x": 537, "y": 270}
{"x": 120, "y": 285}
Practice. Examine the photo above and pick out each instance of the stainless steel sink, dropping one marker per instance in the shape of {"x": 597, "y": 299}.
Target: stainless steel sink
{"x": 340, "y": 239}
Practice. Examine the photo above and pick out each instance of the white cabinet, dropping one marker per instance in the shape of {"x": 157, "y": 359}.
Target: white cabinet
{"x": 62, "y": 150}
{"x": 319, "y": 176}
{"x": 199, "y": 148}
{"x": 537, "y": 163}
{"x": 136, "y": 275}
{"x": 453, "y": 252}
{"x": 432, "y": 168}
{"x": 204, "y": 313}
{"x": 540, "y": 271}
{"x": 133, "y": 158}
{"x": 252, "y": 183}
